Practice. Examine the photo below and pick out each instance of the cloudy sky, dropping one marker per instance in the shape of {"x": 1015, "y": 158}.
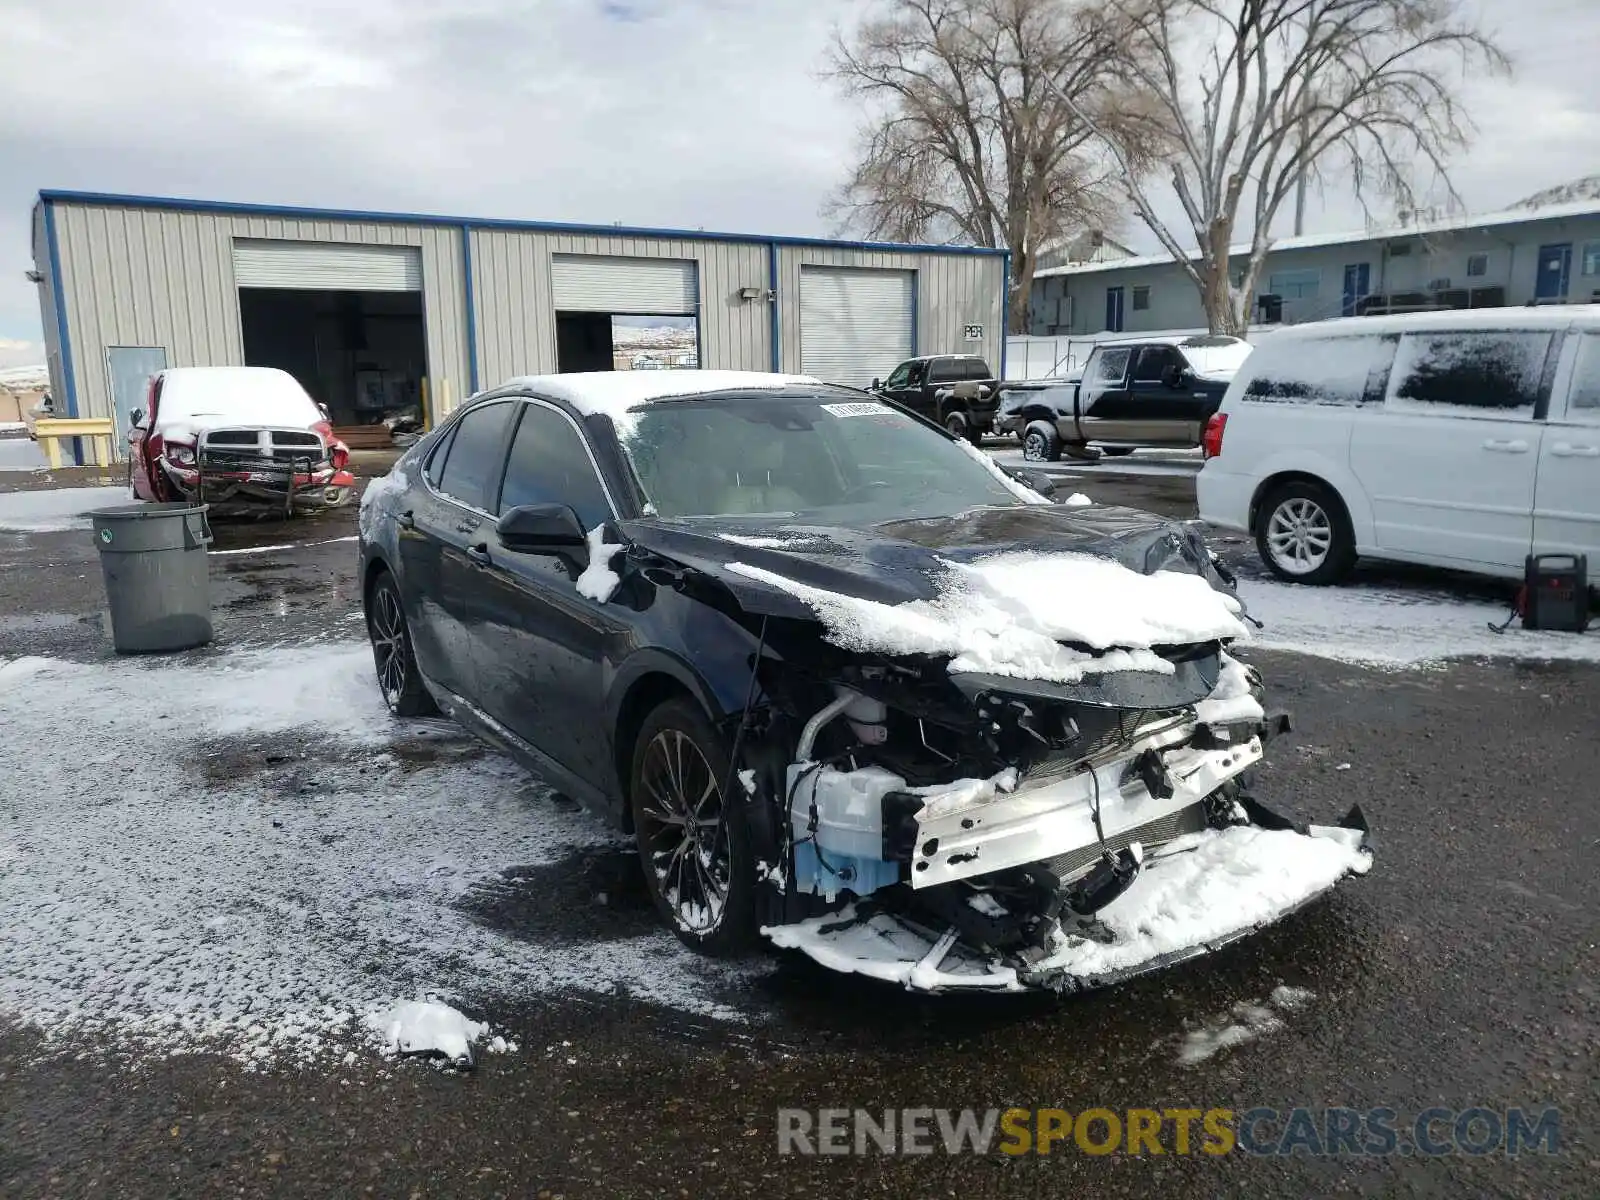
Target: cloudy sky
{"x": 697, "y": 113}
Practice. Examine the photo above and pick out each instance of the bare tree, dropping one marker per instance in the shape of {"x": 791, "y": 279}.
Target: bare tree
{"x": 978, "y": 130}
{"x": 1251, "y": 97}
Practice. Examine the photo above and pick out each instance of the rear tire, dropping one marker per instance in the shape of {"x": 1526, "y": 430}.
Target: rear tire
{"x": 694, "y": 843}
{"x": 1303, "y": 534}
{"x": 1040, "y": 443}
{"x": 955, "y": 423}
{"x": 398, "y": 677}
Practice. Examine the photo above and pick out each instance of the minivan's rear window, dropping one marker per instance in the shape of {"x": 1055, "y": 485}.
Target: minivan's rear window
{"x": 1487, "y": 372}
{"x": 1343, "y": 370}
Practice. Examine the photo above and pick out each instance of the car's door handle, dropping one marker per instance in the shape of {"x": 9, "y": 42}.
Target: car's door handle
{"x": 1568, "y": 450}
{"x": 405, "y": 520}
{"x": 1499, "y": 446}
{"x": 480, "y": 554}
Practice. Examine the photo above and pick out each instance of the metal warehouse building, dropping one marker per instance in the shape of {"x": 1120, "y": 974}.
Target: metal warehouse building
{"x": 374, "y": 312}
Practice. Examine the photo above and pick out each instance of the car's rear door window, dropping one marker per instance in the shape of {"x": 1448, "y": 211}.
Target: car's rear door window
{"x": 550, "y": 464}
{"x": 1486, "y": 373}
{"x": 1153, "y": 363}
{"x": 1583, "y": 398}
{"x": 1110, "y": 367}
{"x": 942, "y": 370}
{"x": 476, "y": 454}
{"x": 1336, "y": 371}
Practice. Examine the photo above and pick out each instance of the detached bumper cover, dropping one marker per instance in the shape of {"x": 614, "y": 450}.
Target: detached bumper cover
{"x": 1195, "y": 894}
{"x": 268, "y": 488}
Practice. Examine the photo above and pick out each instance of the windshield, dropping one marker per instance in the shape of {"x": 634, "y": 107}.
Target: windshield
{"x": 1207, "y": 357}
{"x": 838, "y": 462}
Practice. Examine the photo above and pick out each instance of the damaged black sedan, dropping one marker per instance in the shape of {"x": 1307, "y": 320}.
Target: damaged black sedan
{"x": 850, "y": 685}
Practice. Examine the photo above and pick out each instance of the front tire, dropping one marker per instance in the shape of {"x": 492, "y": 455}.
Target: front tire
{"x": 1303, "y": 534}
{"x": 1040, "y": 443}
{"x": 693, "y": 842}
{"x": 398, "y": 677}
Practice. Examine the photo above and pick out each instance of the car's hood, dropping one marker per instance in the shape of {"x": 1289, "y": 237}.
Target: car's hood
{"x": 899, "y": 561}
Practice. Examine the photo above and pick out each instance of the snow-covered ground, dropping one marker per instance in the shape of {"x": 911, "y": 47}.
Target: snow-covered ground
{"x": 1397, "y": 627}
{"x": 246, "y": 853}
{"x": 56, "y": 510}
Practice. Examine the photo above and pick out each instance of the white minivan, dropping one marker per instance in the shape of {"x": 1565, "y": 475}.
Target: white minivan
{"x": 1452, "y": 439}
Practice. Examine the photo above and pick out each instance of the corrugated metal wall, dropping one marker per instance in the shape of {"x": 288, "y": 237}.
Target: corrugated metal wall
{"x": 154, "y": 277}
{"x": 516, "y": 321}
{"x": 953, "y": 291}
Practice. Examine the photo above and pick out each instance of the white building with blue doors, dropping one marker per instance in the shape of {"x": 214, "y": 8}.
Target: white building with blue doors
{"x": 1549, "y": 254}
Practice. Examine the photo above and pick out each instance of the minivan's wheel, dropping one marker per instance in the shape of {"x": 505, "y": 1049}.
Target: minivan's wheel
{"x": 398, "y": 677}
{"x": 1040, "y": 443}
{"x": 1304, "y": 535}
{"x": 693, "y": 842}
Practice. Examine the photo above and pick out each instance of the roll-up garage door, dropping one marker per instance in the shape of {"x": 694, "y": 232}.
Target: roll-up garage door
{"x": 855, "y": 324}
{"x": 650, "y": 286}
{"x": 326, "y": 266}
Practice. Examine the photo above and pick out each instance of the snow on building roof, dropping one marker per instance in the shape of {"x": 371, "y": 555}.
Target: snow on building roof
{"x": 1311, "y": 241}
{"x": 613, "y": 393}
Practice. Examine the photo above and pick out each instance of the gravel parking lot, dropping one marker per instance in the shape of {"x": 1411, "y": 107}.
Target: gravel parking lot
{"x": 214, "y": 865}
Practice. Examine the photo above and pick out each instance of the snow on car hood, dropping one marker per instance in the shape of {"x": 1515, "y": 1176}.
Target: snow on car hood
{"x": 995, "y": 590}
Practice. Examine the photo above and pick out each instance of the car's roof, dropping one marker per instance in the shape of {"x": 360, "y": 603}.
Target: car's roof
{"x": 1553, "y": 316}
{"x": 1194, "y": 340}
{"x": 614, "y": 392}
{"x": 220, "y": 375}
{"x": 931, "y": 357}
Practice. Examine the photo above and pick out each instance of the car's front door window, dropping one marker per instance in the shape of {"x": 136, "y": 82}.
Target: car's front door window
{"x": 475, "y": 455}
{"x": 899, "y": 376}
{"x": 550, "y": 464}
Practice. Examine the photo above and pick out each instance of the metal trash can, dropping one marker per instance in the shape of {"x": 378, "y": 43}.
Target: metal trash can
{"x": 153, "y": 557}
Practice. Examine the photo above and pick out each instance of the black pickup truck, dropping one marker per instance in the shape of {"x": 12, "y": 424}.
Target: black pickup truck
{"x": 957, "y": 391}
{"x": 1156, "y": 391}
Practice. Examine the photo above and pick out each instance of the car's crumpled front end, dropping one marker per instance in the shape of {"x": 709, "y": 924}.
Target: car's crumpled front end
{"x": 1013, "y": 768}
{"x": 255, "y": 471}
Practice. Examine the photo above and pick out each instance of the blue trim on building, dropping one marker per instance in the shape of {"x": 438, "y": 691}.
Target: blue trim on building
{"x": 339, "y": 214}
{"x": 774, "y": 330}
{"x": 63, "y": 338}
{"x": 1005, "y": 311}
{"x": 472, "y": 310}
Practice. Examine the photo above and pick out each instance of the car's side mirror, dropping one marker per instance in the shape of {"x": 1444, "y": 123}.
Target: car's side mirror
{"x": 136, "y": 418}
{"x": 541, "y": 529}
{"x": 877, "y": 385}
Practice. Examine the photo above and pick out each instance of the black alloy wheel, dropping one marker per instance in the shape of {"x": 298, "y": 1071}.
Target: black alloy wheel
{"x": 693, "y": 844}
{"x": 398, "y": 677}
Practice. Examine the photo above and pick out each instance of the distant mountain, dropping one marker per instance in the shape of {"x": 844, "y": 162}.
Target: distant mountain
{"x": 24, "y": 379}
{"x": 1587, "y": 188}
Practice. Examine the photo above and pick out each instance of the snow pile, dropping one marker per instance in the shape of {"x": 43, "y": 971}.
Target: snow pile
{"x": 1007, "y": 615}
{"x": 1231, "y": 701}
{"x": 1078, "y": 500}
{"x": 245, "y": 853}
{"x": 1243, "y": 1023}
{"x": 947, "y": 798}
{"x": 1205, "y": 886}
{"x": 1390, "y": 627}
{"x": 1020, "y": 490}
{"x": 614, "y": 393}
{"x": 428, "y": 1027}
{"x": 598, "y": 581}
{"x": 880, "y": 946}
{"x": 56, "y": 510}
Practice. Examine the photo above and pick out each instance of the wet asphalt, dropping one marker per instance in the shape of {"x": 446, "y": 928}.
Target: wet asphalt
{"x": 1461, "y": 972}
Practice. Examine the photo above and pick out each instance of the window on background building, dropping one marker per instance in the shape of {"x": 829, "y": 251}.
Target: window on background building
{"x": 1141, "y": 299}
{"x": 1295, "y": 285}
{"x": 1591, "y": 258}
{"x": 1477, "y": 266}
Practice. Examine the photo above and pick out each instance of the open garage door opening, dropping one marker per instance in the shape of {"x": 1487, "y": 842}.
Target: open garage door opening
{"x": 625, "y": 314}
{"x": 346, "y": 321}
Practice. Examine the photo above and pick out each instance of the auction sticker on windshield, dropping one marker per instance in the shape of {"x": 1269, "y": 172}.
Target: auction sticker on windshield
{"x": 866, "y": 408}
